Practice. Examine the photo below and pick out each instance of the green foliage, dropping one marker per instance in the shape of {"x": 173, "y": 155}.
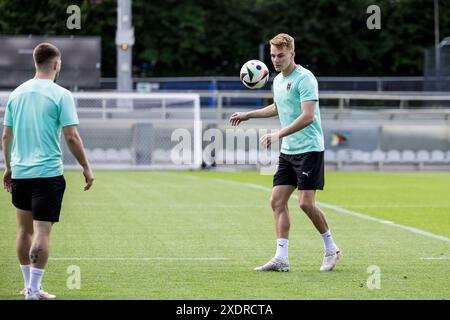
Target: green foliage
{"x": 214, "y": 37}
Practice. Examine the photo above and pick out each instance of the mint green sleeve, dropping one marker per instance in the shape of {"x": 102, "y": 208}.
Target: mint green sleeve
{"x": 68, "y": 113}
{"x": 309, "y": 89}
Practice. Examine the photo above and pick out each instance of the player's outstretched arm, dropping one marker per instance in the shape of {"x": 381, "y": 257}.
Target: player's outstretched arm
{"x": 267, "y": 112}
{"x": 75, "y": 145}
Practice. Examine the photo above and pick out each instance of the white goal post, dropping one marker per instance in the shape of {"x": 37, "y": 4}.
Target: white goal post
{"x": 122, "y": 130}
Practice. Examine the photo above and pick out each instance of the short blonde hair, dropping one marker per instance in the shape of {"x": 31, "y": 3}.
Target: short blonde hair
{"x": 283, "y": 40}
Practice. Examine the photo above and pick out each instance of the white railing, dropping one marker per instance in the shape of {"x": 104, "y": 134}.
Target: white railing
{"x": 328, "y": 83}
{"x": 221, "y": 108}
{"x": 343, "y": 98}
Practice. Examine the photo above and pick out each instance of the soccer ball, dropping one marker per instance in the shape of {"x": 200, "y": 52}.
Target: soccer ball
{"x": 254, "y": 74}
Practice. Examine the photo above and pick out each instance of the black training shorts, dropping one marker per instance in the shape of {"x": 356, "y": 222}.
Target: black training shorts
{"x": 304, "y": 171}
{"x": 42, "y": 196}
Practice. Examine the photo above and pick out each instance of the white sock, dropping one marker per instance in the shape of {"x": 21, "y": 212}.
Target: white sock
{"x": 329, "y": 245}
{"x": 282, "y": 248}
{"x": 26, "y": 275}
{"x": 35, "y": 279}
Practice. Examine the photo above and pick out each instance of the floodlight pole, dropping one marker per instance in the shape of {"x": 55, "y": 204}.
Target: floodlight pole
{"x": 437, "y": 53}
{"x": 261, "y": 52}
{"x": 124, "y": 43}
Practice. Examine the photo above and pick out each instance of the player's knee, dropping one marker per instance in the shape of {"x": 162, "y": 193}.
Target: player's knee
{"x": 22, "y": 229}
{"x": 41, "y": 238}
{"x": 277, "y": 204}
{"x": 24, "y": 233}
{"x": 307, "y": 206}
{"x": 43, "y": 230}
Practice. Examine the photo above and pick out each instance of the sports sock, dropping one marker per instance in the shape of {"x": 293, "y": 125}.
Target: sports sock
{"x": 26, "y": 275}
{"x": 282, "y": 248}
{"x": 329, "y": 245}
{"x": 35, "y": 279}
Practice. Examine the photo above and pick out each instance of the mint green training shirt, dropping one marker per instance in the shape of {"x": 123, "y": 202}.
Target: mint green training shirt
{"x": 289, "y": 92}
{"x": 36, "y": 111}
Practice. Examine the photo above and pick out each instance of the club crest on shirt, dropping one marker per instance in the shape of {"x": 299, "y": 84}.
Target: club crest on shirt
{"x": 288, "y": 86}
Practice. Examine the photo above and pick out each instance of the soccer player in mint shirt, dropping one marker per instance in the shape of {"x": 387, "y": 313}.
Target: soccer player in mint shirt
{"x": 301, "y": 162}
{"x": 36, "y": 113}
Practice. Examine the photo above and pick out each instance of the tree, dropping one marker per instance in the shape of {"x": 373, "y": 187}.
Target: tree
{"x": 214, "y": 37}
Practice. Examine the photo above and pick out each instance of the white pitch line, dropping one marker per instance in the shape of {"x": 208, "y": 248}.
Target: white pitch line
{"x": 388, "y": 223}
{"x": 137, "y": 259}
{"x": 391, "y": 206}
{"x": 436, "y": 258}
{"x": 345, "y": 211}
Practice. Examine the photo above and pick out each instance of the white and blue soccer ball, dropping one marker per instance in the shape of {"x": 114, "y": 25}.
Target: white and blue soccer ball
{"x": 254, "y": 74}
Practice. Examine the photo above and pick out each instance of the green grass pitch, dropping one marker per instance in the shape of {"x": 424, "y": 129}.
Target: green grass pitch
{"x": 198, "y": 235}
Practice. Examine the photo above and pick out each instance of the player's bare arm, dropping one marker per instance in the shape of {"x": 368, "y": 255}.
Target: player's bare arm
{"x": 267, "y": 112}
{"x": 304, "y": 120}
{"x": 6, "y": 146}
{"x": 75, "y": 145}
